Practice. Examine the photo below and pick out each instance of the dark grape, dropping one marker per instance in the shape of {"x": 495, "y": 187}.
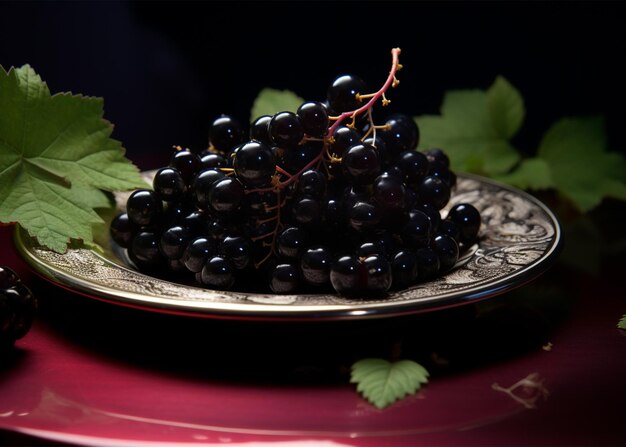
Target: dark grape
{"x": 175, "y": 212}
{"x": 404, "y": 269}
{"x": 144, "y": 207}
{"x": 312, "y": 183}
{"x": 211, "y": 160}
{"x": 26, "y": 310}
{"x": 226, "y": 194}
{"x": 7, "y": 315}
{"x": 401, "y": 134}
{"x": 259, "y": 130}
{"x": 315, "y": 265}
{"x": 8, "y": 278}
{"x": 187, "y": 163}
{"x": 218, "y": 229}
{"x": 417, "y": 230}
{"x": 314, "y": 118}
{"x": 195, "y": 221}
{"x": 237, "y": 249}
{"x": 447, "y": 251}
{"x": 343, "y": 138}
{"x": 371, "y": 248}
{"x": 218, "y": 273}
{"x": 168, "y": 183}
{"x": 334, "y": 213}
{"x": 307, "y": 210}
{"x": 254, "y": 164}
{"x": 20, "y": 309}
{"x": 437, "y": 155}
{"x": 342, "y": 93}
{"x": 17, "y": 308}
{"x": 202, "y": 185}
{"x": 296, "y": 158}
{"x": 467, "y": 218}
{"x": 434, "y": 191}
{"x": 225, "y": 133}
{"x": 284, "y": 278}
{"x": 174, "y": 241}
{"x": 379, "y": 275}
{"x": 285, "y": 129}
{"x": 354, "y": 194}
{"x": 381, "y": 147}
{"x": 432, "y": 213}
{"x": 197, "y": 253}
{"x": 361, "y": 163}
{"x": 364, "y": 216}
{"x": 291, "y": 242}
{"x": 449, "y": 228}
{"x": 144, "y": 249}
{"x": 389, "y": 193}
{"x": 345, "y": 275}
{"x": 413, "y": 165}
{"x": 121, "y": 230}
{"x": 438, "y": 169}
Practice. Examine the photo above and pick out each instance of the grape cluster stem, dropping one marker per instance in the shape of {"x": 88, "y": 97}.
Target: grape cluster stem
{"x": 278, "y": 185}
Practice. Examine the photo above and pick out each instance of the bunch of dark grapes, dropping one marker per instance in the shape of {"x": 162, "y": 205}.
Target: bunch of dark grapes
{"x": 310, "y": 201}
{"x": 17, "y": 308}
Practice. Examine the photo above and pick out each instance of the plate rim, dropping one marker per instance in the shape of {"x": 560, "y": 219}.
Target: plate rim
{"x": 291, "y": 312}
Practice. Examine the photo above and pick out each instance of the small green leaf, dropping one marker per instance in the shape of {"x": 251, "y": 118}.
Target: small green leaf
{"x": 271, "y": 101}
{"x": 56, "y": 160}
{"x": 622, "y": 323}
{"x": 506, "y": 108}
{"x": 533, "y": 173}
{"x": 382, "y": 383}
{"x": 573, "y": 138}
{"x": 580, "y": 166}
{"x": 474, "y": 128}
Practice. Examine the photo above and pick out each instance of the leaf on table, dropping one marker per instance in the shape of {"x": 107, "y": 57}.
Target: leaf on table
{"x": 573, "y": 158}
{"x": 475, "y": 127}
{"x": 57, "y": 158}
{"x": 382, "y": 382}
{"x": 271, "y": 101}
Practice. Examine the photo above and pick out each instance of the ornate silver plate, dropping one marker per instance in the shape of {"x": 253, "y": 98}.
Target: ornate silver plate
{"x": 519, "y": 240}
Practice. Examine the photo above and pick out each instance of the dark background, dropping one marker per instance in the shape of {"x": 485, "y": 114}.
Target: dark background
{"x": 167, "y": 69}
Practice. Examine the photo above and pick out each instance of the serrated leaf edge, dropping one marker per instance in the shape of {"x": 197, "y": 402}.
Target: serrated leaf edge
{"x": 376, "y": 377}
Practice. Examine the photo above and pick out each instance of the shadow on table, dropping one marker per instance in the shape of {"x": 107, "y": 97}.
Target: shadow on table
{"x": 445, "y": 342}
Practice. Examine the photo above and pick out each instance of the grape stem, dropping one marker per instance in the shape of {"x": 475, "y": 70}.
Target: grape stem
{"x": 273, "y": 234}
{"x": 277, "y": 186}
{"x": 391, "y": 80}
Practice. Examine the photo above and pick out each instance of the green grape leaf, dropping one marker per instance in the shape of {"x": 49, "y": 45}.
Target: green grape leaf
{"x": 581, "y": 168}
{"x": 382, "y": 382}
{"x": 475, "y": 127}
{"x": 506, "y": 108}
{"x": 271, "y": 101}
{"x": 622, "y": 323}
{"x": 56, "y": 159}
{"x": 532, "y": 173}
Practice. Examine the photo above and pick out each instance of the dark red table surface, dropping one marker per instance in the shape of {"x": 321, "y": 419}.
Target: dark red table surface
{"x": 559, "y": 332}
